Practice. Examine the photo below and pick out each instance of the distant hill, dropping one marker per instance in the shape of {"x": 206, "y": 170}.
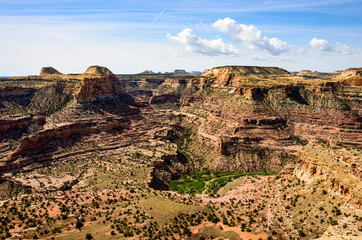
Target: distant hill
{"x": 178, "y": 72}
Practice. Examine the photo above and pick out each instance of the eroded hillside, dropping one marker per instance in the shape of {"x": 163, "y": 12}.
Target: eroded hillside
{"x": 236, "y": 153}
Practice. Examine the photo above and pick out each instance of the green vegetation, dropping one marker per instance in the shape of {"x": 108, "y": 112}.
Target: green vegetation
{"x": 188, "y": 187}
{"x": 88, "y": 236}
{"x": 300, "y": 141}
{"x": 208, "y": 181}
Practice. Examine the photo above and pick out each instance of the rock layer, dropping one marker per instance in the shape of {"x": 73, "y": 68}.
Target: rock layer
{"x": 247, "y": 118}
{"x": 338, "y": 167}
{"x": 352, "y": 76}
{"x": 98, "y": 88}
{"x": 259, "y": 126}
{"x": 15, "y": 91}
{"x": 233, "y": 75}
{"x": 99, "y": 106}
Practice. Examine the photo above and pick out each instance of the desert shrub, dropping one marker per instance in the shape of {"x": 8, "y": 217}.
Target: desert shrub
{"x": 79, "y": 224}
{"x": 88, "y": 236}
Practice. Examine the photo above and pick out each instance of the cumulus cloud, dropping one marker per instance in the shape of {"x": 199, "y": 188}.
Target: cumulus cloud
{"x": 320, "y": 45}
{"x": 324, "y": 46}
{"x": 194, "y": 44}
{"x": 251, "y": 37}
{"x": 343, "y": 49}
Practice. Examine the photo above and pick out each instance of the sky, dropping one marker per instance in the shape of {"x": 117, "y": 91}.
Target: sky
{"x": 132, "y": 36}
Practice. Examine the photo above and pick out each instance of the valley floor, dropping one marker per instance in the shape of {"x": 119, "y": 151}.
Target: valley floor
{"x": 111, "y": 201}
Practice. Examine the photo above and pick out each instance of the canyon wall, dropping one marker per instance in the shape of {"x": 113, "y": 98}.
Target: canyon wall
{"x": 59, "y": 109}
{"x": 258, "y": 118}
{"x": 338, "y": 168}
{"x": 234, "y": 118}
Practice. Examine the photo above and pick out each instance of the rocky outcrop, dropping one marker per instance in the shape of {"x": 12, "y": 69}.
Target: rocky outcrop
{"x": 8, "y": 91}
{"x": 354, "y": 81}
{"x": 14, "y": 127}
{"x": 98, "y": 83}
{"x": 174, "y": 81}
{"x": 339, "y": 168}
{"x": 48, "y": 71}
{"x": 236, "y": 75}
{"x": 38, "y": 145}
{"x": 153, "y": 181}
{"x": 255, "y": 120}
{"x": 352, "y": 76}
{"x": 16, "y": 122}
{"x": 100, "y": 105}
{"x": 307, "y": 73}
{"x": 245, "y": 70}
{"x": 36, "y": 141}
{"x": 352, "y": 72}
{"x": 315, "y": 74}
{"x": 164, "y": 98}
{"x": 97, "y": 70}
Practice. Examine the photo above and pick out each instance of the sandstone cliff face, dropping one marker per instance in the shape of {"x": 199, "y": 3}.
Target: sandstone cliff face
{"x": 245, "y": 70}
{"x": 163, "y": 98}
{"x": 69, "y": 107}
{"x": 15, "y": 91}
{"x": 20, "y": 123}
{"x": 236, "y": 75}
{"x": 36, "y": 141}
{"x": 315, "y": 74}
{"x": 263, "y": 125}
{"x": 96, "y": 83}
{"x": 46, "y": 140}
{"x": 339, "y": 168}
{"x": 153, "y": 181}
{"x": 352, "y": 76}
{"x": 352, "y": 72}
{"x": 354, "y": 81}
{"x": 253, "y": 118}
{"x": 42, "y": 145}
{"x": 98, "y": 88}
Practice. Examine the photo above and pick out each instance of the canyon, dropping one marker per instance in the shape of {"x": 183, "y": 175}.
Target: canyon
{"x": 136, "y": 137}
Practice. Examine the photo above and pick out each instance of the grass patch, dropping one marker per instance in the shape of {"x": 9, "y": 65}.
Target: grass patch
{"x": 97, "y": 230}
{"x": 208, "y": 181}
{"x": 220, "y": 182}
{"x": 214, "y": 232}
{"x": 163, "y": 209}
{"x": 188, "y": 187}
{"x": 230, "y": 186}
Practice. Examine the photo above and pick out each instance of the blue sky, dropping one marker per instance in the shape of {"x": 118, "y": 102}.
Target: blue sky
{"x": 132, "y": 36}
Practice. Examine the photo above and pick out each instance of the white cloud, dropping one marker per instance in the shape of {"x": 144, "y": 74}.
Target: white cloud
{"x": 320, "y": 45}
{"x": 343, "y": 49}
{"x": 195, "y": 44}
{"x": 324, "y": 46}
{"x": 251, "y": 37}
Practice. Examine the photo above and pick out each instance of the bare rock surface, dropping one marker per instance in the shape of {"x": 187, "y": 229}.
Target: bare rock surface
{"x": 98, "y": 83}
{"x": 48, "y": 71}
